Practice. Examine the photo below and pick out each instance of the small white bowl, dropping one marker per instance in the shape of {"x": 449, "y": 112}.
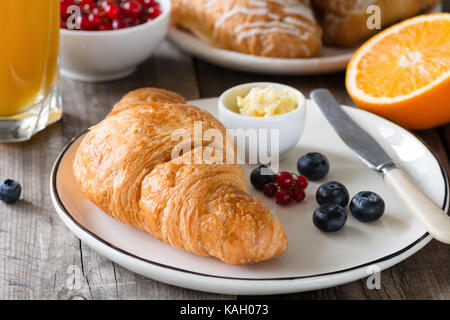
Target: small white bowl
{"x": 108, "y": 55}
{"x": 289, "y": 125}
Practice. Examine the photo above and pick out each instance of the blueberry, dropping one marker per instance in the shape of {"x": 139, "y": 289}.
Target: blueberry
{"x": 313, "y": 165}
{"x": 332, "y": 193}
{"x": 261, "y": 176}
{"x": 10, "y": 191}
{"x": 367, "y": 206}
{"x": 329, "y": 217}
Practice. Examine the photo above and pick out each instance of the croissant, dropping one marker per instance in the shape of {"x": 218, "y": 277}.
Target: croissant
{"x": 344, "y": 22}
{"x": 125, "y": 166}
{"x": 146, "y": 96}
{"x": 270, "y": 28}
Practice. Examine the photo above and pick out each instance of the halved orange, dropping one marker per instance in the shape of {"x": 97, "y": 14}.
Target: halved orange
{"x": 403, "y": 73}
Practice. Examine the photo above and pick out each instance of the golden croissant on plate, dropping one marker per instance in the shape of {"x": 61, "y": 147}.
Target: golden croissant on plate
{"x": 270, "y": 28}
{"x": 127, "y": 166}
{"x": 344, "y": 22}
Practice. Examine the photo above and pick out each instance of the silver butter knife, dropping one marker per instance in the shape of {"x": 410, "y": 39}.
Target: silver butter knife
{"x": 370, "y": 152}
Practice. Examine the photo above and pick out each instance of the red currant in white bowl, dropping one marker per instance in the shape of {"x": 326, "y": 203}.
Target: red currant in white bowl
{"x": 105, "y": 40}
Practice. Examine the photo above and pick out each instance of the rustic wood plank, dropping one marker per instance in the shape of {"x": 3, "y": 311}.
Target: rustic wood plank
{"x": 107, "y": 280}
{"x": 444, "y": 134}
{"x": 35, "y": 247}
{"x": 437, "y": 144}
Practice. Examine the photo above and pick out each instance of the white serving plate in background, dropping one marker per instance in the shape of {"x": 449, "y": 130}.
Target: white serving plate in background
{"x": 331, "y": 59}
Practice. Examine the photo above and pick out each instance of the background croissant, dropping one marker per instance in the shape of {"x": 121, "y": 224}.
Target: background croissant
{"x": 344, "y": 22}
{"x": 124, "y": 166}
{"x": 283, "y": 29}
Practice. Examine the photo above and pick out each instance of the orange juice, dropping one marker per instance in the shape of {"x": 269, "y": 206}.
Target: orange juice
{"x": 29, "y": 33}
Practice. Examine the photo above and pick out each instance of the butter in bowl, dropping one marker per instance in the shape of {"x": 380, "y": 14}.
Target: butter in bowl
{"x": 266, "y": 120}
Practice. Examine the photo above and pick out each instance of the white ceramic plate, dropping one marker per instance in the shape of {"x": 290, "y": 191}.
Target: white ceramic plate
{"x": 332, "y": 59}
{"x": 314, "y": 259}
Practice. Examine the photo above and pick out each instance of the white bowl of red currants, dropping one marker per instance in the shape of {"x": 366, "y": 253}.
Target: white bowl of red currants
{"x": 104, "y": 40}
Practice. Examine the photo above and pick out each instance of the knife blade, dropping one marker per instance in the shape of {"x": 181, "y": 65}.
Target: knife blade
{"x": 367, "y": 149}
{"x": 370, "y": 152}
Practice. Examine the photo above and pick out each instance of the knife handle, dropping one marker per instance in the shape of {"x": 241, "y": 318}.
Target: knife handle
{"x": 421, "y": 206}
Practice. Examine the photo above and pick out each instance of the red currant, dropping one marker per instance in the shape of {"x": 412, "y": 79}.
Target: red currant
{"x": 95, "y": 21}
{"x": 284, "y": 180}
{"x": 88, "y": 8}
{"x": 270, "y": 189}
{"x": 106, "y": 25}
{"x": 149, "y": 3}
{"x": 112, "y": 11}
{"x": 117, "y": 24}
{"x": 98, "y": 10}
{"x": 130, "y": 21}
{"x": 301, "y": 181}
{"x": 132, "y": 8}
{"x": 86, "y": 5}
{"x": 283, "y": 197}
{"x": 82, "y": 3}
{"x": 84, "y": 22}
{"x": 110, "y": 14}
{"x": 154, "y": 12}
{"x": 298, "y": 193}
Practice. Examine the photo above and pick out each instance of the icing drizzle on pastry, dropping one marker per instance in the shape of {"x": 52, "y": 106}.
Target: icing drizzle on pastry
{"x": 290, "y": 6}
{"x": 245, "y": 10}
{"x": 265, "y": 24}
{"x": 287, "y": 25}
{"x": 297, "y": 22}
{"x": 255, "y": 31}
{"x": 209, "y": 3}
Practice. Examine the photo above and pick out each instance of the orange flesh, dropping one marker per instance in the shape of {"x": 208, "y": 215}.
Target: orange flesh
{"x": 406, "y": 61}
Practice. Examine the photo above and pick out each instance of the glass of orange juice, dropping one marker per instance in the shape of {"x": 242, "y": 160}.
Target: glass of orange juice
{"x": 29, "y": 70}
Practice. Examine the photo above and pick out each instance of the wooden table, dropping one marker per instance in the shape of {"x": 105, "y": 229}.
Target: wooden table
{"x": 39, "y": 256}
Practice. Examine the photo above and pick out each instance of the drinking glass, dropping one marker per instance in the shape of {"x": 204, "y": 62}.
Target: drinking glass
{"x": 29, "y": 68}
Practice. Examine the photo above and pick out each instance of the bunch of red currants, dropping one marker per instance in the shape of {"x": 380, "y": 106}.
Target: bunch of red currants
{"x": 101, "y": 15}
{"x": 286, "y": 187}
